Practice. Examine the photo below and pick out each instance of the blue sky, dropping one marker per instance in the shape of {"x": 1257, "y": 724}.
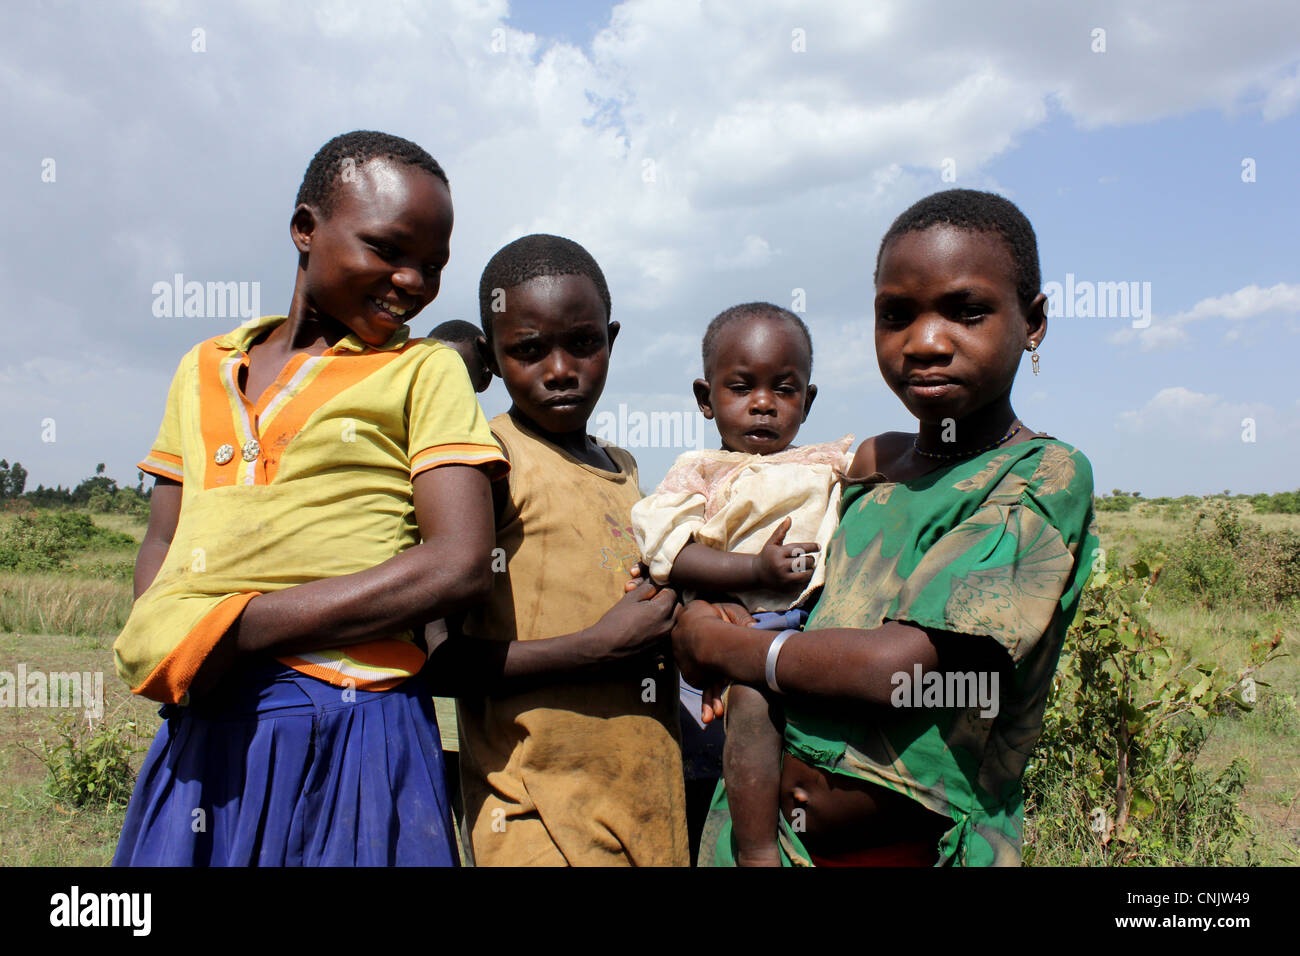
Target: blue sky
{"x": 773, "y": 169}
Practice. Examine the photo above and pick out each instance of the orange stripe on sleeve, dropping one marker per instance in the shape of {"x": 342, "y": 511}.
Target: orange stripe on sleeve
{"x": 162, "y": 465}
{"x": 171, "y": 679}
{"x": 488, "y": 457}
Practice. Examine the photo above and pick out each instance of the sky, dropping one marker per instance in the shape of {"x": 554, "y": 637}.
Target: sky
{"x": 707, "y": 154}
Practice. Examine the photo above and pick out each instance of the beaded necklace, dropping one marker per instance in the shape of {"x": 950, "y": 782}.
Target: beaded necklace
{"x": 916, "y": 446}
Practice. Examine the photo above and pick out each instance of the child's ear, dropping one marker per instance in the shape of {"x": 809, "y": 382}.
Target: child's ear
{"x": 1036, "y": 319}
{"x": 301, "y": 226}
{"x": 808, "y": 400}
{"x": 612, "y": 332}
{"x": 701, "y": 389}
{"x": 487, "y": 356}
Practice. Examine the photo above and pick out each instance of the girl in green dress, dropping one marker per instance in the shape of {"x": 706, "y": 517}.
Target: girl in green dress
{"x": 916, "y": 692}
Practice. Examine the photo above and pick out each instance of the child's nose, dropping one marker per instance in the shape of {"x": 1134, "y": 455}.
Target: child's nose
{"x": 413, "y": 282}
{"x": 928, "y": 336}
{"x": 559, "y": 370}
{"x": 762, "y": 402}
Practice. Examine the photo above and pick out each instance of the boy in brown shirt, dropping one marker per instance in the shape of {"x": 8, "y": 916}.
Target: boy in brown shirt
{"x": 571, "y": 755}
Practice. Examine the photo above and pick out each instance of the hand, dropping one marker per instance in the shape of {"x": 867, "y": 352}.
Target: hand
{"x": 712, "y": 706}
{"x": 734, "y": 613}
{"x": 780, "y": 566}
{"x": 643, "y": 617}
{"x": 689, "y": 641}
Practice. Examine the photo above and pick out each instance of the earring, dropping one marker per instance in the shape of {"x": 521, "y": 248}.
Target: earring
{"x": 1033, "y": 350}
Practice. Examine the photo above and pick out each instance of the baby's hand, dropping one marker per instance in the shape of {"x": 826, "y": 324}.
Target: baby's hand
{"x": 779, "y": 566}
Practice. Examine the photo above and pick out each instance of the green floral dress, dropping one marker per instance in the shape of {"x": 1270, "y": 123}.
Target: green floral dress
{"x": 999, "y": 545}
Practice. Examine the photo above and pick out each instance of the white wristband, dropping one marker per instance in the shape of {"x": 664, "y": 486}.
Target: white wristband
{"x": 774, "y": 652}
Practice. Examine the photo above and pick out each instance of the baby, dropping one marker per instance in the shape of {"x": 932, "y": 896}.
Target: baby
{"x": 718, "y": 522}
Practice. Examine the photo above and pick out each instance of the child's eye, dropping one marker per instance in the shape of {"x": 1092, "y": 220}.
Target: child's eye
{"x": 384, "y": 250}
{"x": 973, "y": 313}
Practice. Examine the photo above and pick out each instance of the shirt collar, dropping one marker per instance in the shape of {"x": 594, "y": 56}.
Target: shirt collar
{"x": 242, "y": 338}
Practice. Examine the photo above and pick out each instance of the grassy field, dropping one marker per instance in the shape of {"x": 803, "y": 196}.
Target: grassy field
{"x": 1268, "y": 738}
{"x": 65, "y": 620}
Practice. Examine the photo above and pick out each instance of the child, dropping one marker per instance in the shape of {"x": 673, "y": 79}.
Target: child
{"x": 718, "y": 523}
{"x": 573, "y": 758}
{"x": 469, "y": 342}
{"x": 961, "y": 556}
{"x": 322, "y": 488}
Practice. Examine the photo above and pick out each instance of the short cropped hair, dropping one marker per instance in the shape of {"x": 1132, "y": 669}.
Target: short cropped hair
{"x": 456, "y": 330}
{"x": 320, "y": 182}
{"x": 979, "y": 212}
{"x": 755, "y": 310}
{"x": 532, "y": 257}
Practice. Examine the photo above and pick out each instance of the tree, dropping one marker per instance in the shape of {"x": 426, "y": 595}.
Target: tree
{"x": 13, "y": 478}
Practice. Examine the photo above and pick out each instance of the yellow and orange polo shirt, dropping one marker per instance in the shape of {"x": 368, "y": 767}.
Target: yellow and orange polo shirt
{"x": 312, "y": 481}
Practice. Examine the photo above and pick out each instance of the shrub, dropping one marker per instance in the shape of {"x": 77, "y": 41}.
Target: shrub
{"x": 1115, "y": 778}
{"x": 1225, "y": 562}
{"x": 42, "y": 540}
{"x": 90, "y": 767}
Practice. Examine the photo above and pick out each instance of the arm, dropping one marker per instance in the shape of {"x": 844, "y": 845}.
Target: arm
{"x": 779, "y": 566}
{"x": 447, "y": 572}
{"x": 640, "y": 621}
{"x": 164, "y": 512}
{"x": 844, "y": 663}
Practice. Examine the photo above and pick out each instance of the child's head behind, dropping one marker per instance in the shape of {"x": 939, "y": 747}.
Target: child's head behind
{"x": 545, "y": 310}
{"x": 373, "y": 230}
{"x": 757, "y": 377}
{"x": 467, "y": 340}
{"x": 957, "y": 302}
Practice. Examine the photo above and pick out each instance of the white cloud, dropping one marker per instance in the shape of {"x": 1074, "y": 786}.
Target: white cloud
{"x": 171, "y": 160}
{"x": 1249, "y": 302}
{"x": 1179, "y": 412}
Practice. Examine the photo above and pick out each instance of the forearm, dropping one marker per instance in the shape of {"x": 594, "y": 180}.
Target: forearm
{"x": 702, "y": 568}
{"x": 843, "y": 663}
{"x": 431, "y": 580}
{"x": 467, "y": 666}
{"x": 147, "y": 562}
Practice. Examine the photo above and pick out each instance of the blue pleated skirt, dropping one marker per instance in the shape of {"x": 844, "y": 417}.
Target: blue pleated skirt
{"x": 280, "y": 769}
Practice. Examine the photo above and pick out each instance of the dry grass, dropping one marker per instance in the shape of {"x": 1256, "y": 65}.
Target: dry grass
{"x": 64, "y": 603}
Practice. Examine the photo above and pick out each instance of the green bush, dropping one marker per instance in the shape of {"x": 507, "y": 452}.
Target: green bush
{"x": 1227, "y": 562}
{"x": 1115, "y": 778}
{"x": 90, "y": 767}
{"x": 43, "y": 540}
{"x": 1116, "y": 503}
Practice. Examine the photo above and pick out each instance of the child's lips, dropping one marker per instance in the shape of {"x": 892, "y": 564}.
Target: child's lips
{"x": 932, "y": 388}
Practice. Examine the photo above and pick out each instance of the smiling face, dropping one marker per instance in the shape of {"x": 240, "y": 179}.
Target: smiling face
{"x": 757, "y": 390}
{"x": 551, "y": 347}
{"x": 376, "y": 260}
{"x": 950, "y": 329}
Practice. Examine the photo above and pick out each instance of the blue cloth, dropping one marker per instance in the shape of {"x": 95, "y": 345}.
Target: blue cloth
{"x": 280, "y": 769}
{"x": 794, "y": 618}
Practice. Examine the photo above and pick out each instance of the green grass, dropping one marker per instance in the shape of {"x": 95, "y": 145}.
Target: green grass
{"x": 34, "y": 829}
